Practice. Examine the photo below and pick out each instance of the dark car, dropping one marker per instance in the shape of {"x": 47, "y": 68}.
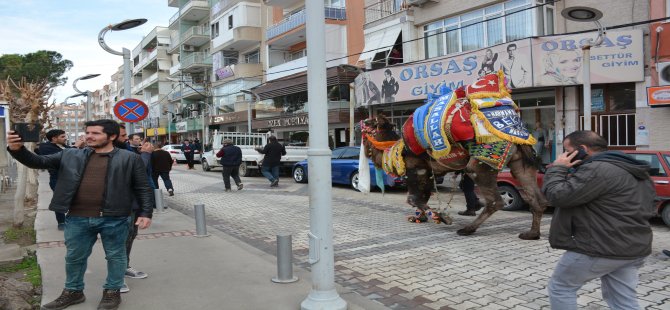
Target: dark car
{"x": 344, "y": 169}
{"x": 659, "y": 161}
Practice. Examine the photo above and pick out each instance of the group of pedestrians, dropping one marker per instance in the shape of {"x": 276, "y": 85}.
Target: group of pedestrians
{"x": 231, "y": 159}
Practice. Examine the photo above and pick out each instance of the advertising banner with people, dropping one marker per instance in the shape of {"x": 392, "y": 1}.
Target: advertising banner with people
{"x": 558, "y": 60}
{"x": 553, "y": 61}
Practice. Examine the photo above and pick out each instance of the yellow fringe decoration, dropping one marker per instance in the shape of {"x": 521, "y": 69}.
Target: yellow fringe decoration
{"x": 392, "y": 161}
{"x": 380, "y": 145}
{"x": 500, "y": 135}
{"x": 503, "y": 91}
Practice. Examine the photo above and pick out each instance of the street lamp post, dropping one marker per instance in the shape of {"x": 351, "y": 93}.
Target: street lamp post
{"x": 258, "y": 99}
{"x": 124, "y": 25}
{"x": 85, "y": 93}
{"x": 586, "y": 14}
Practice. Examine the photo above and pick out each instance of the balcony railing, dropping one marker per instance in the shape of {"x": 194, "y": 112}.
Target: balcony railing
{"x": 195, "y": 31}
{"x": 174, "y": 18}
{"x": 197, "y": 58}
{"x": 384, "y": 8}
{"x": 298, "y": 19}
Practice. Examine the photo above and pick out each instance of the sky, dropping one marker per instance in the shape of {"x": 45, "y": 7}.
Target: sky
{"x": 71, "y": 28}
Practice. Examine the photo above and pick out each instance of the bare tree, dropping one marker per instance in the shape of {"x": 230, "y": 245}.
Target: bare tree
{"x": 27, "y": 103}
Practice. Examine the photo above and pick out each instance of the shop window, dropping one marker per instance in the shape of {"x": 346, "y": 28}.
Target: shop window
{"x": 617, "y": 129}
{"x": 611, "y": 98}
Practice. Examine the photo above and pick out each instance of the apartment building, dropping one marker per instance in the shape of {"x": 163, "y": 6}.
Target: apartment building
{"x": 237, "y": 32}
{"x": 70, "y": 117}
{"x": 452, "y": 43}
{"x": 283, "y": 95}
{"x": 190, "y": 49}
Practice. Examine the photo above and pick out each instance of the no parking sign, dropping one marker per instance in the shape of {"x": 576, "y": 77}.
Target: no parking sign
{"x": 131, "y": 110}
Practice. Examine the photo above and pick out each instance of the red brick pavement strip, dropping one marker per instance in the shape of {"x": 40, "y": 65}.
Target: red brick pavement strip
{"x": 170, "y": 234}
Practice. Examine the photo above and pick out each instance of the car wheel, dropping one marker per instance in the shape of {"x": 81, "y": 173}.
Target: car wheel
{"x": 512, "y": 200}
{"x": 665, "y": 214}
{"x": 354, "y": 181}
{"x": 299, "y": 175}
{"x": 205, "y": 165}
{"x": 243, "y": 171}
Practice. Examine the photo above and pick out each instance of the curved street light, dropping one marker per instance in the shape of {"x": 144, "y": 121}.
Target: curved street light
{"x": 586, "y": 14}
{"x": 85, "y": 93}
{"x": 124, "y": 25}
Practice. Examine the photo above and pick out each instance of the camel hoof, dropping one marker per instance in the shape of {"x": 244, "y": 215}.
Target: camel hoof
{"x": 445, "y": 218}
{"x": 529, "y": 236}
{"x": 465, "y": 231}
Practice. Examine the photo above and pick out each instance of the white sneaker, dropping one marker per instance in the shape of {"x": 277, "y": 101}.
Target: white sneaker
{"x": 132, "y": 273}
{"x": 124, "y": 288}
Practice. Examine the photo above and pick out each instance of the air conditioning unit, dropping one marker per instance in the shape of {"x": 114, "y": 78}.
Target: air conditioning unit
{"x": 189, "y": 48}
{"x": 420, "y": 2}
{"x": 663, "y": 69}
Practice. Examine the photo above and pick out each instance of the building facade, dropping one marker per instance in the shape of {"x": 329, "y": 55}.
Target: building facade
{"x": 452, "y": 43}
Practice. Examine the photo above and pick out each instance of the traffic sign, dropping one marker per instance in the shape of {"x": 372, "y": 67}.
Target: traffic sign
{"x": 131, "y": 110}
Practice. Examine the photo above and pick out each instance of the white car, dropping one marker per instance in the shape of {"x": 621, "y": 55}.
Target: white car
{"x": 177, "y": 154}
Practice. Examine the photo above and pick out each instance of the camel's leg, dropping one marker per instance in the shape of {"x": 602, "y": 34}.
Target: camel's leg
{"x": 485, "y": 177}
{"x": 531, "y": 194}
{"x": 418, "y": 187}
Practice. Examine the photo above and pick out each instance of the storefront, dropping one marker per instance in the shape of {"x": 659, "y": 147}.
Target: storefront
{"x": 284, "y": 107}
{"x": 545, "y": 75}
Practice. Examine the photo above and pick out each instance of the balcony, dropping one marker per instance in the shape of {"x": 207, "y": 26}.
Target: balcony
{"x": 145, "y": 83}
{"x": 283, "y": 3}
{"x": 193, "y": 62}
{"x": 298, "y": 19}
{"x": 145, "y": 58}
{"x": 194, "y": 11}
{"x": 239, "y": 39}
{"x": 239, "y": 71}
{"x": 382, "y": 9}
{"x": 175, "y": 42}
{"x": 174, "y": 70}
{"x": 196, "y": 36}
{"x": 287, "y": 68}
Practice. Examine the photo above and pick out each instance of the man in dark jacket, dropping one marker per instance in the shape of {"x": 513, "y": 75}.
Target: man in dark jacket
{"x": 272, "y": 160}
{"x": 231, "y": 158}
{"x": 161, "y": 163}
{"x": 189, "y": 151}
{"x": 96, "y": 187}
{"x": 603, "y": 202}
{"x": 57, "y": 142}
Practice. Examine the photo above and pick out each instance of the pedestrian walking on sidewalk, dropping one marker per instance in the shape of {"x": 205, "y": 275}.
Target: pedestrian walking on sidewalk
{"x": 231, "y": 158}
{"x": 603, "y": 201}
{"x": 57, "y": 142}
{"x": 188, "y": 149}
{"x": 133, "y": 145}
{"x": 96, "y": 186}
{"x": 272, "y": 160}
{"x": 161, "y": 164}
{"x": 472, "y": 204}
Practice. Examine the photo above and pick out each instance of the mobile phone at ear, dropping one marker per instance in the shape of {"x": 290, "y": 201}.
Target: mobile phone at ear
{"x": 27, "y": 131}
{"x": 581, "y": 154}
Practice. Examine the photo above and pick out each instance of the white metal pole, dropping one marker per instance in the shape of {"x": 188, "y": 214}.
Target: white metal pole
{"x": 587, "y": 86}
{"x": 88, "y": 106}
{"x": 127, "y": 92}
{"x": 76, "y": 125}
{"x": 321, "y": 255}
{"x": 352, "y": 103}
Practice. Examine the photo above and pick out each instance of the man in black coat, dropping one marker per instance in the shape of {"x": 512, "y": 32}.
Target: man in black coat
{"x": 272, "y": 160}
{"x": 161, "y": 163}
{"x": 231, "y": 158}
{"x": 57, "y": 142}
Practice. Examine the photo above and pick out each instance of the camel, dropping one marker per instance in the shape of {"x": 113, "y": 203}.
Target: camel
{"x": 420, "y": 171}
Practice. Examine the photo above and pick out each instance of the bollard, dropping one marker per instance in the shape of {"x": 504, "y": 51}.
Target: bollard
{"x": 200, "y": 225}
{"x": 284, "y": 259}
{"x": 158, "y": 197}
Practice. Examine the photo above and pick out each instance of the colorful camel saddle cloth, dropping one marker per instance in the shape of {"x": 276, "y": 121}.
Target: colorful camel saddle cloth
{"x": 392, "y": 160}
{"x": 430, "y": 124}
{"x": 495, "y": 154}
{"x": 498, "y": 119}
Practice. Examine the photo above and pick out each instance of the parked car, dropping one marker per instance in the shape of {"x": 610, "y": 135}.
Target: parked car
{"x": 177, "y": 154}
{"x": 659, "y": 161}
{"x": 344, "y": 169}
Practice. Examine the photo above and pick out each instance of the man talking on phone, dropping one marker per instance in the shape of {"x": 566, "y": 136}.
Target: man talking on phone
{"x": 603, "y": 201}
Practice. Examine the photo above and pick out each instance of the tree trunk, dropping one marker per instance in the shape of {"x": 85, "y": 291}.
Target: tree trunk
{"x": 20, "y": 195}
{"x": 31, "y": 184}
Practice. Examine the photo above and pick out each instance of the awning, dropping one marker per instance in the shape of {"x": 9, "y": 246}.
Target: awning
{"x": 380, "y": 41}
{"x": 295, "y": 83}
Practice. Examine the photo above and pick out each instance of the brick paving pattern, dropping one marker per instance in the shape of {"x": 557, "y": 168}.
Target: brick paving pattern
{"x": 403, "y": 265}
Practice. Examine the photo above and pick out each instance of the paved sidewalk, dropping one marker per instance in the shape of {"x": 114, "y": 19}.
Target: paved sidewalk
{"x": 185, "y": 272}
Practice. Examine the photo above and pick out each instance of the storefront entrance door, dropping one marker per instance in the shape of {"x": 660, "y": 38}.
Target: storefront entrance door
{"x": 538, "y": 113}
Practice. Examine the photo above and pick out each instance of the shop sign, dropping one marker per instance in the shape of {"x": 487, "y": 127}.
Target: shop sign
{"x": 658, "y": 96}
{"x": 181, "y": 126}
{"x": 288, "y": 121}
{"x": 154, "y": 132}
{"x": 225, "y": 72}
{"x": 618, "y": 59}
{"x": 233, "y": 117}
{"x": 558, "y": 59}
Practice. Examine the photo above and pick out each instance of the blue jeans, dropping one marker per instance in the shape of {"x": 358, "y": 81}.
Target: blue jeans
{"x": 271, "y": 173}
{"x": 81, "y": 234}
{"x": 619, "y": 280}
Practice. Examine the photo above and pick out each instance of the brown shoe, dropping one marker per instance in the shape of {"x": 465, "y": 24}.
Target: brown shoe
{"x": 67, "y": 298}
{"x": 111, "y": 299}
{"x": 467, "y": 213}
